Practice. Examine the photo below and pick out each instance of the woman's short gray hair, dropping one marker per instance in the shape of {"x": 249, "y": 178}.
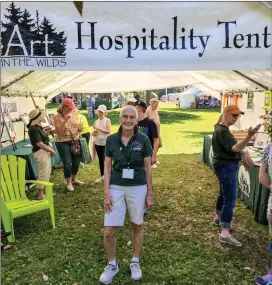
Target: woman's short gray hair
{"x": 129, "y": 108}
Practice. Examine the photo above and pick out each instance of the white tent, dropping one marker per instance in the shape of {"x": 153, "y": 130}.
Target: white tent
{"x": 187, "y": 97}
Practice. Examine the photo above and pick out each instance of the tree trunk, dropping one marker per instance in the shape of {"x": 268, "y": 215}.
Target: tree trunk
{"x": 148, "y": 97}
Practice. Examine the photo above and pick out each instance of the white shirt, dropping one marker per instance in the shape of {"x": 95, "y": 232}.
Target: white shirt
{"x": 101, "y": 137}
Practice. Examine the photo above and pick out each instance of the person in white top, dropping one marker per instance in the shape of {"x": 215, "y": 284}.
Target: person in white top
{"x": 152, "y": 113}
{"x": 103, "y": 127}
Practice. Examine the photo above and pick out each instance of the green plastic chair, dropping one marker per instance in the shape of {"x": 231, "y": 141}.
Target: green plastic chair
{"x": 14, "y": 202}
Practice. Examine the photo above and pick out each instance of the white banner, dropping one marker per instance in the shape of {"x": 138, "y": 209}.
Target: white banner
{"x": 145, "y": 36}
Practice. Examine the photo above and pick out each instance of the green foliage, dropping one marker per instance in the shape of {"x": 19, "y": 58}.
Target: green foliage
{"x": 181, "y": 244}
{"x": 161, "y": 92}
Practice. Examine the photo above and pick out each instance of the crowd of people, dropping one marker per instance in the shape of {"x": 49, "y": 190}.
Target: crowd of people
{"x": 126, "y": 159}
{"x": 207, "y": 102}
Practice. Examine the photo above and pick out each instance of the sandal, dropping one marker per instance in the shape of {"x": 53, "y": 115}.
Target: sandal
{"x": 41, "y": 197}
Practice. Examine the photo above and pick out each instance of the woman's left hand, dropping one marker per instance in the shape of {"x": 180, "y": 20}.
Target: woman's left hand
{"x": 148, "y": 202}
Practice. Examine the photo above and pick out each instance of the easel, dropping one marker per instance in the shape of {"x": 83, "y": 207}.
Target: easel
{"x": 4, "y": 124}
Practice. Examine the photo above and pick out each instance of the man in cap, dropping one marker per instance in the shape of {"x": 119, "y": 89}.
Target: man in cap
{"x": 227, "y": 153}
{"x": 147, "y": 127}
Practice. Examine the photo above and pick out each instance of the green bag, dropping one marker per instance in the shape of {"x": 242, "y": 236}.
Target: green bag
{"x": 85, "y": 151}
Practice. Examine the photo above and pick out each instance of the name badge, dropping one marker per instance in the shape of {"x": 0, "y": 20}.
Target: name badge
{"x": 128, "y": 173}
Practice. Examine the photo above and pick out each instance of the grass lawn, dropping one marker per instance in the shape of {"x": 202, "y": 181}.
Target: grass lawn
{"x": 181, "y": 245}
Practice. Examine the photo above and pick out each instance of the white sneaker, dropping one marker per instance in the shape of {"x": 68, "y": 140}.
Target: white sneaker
{"x": 136, "y": 271}
{"x": 157, "y": 162}
{"x": 154, "y": 166}
{"x": 109, "y": 272}
{"x": 70, "y": 187}
{"x": 100, "y": 179}
{"x": 77, "y": 182}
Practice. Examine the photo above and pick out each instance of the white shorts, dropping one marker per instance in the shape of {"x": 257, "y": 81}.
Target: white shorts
{"x": 131, "y": 196}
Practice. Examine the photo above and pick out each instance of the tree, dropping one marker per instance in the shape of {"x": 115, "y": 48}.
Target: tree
{"x": 13, "y": 18}
{"x": 31, "y": 30}
{"x": 58, "y": 45}
{"x": 27, "y": 29}
{"x": 38, "y": 49}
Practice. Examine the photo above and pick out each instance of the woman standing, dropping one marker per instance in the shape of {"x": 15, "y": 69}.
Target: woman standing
{"x": 42, "y": 151}
{"x": 152, "y": 113}
{"x": 67, "y": 128}
{"x": 127, "y": 184}
{"x": 103, "y": 127}
{"x": 226, "y": 157}
{"x": 265, "y": 177}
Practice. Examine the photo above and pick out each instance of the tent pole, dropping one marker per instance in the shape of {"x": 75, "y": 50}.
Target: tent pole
{"x": 33, "y": 100}
{"x": 250, "y": 79}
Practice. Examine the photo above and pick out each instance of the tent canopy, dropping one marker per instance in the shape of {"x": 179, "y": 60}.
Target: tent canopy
{"x": 51, "y": 83}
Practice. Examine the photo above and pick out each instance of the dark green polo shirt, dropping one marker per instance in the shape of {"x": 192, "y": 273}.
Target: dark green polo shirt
{"x": 222, "y": 143}
{"x": 37, "y": 134}
{"x": 139, "y": 146}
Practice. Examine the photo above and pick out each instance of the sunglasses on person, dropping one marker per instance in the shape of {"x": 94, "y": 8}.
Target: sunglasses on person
{"x": 236, "y": 116}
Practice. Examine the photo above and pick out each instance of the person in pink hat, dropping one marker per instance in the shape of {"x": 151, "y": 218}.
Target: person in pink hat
{"x": 67, "y": 130}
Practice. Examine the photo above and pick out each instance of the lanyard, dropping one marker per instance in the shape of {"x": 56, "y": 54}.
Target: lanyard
{"x": 129, "y": 156}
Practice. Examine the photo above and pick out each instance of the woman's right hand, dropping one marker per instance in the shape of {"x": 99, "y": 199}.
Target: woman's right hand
{"x": 53, "y": 153}
{"x": 108, "y": 203}
{"x": 68, "y": 116}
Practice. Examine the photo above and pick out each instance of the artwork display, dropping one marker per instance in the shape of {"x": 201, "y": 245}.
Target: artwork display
{"x": 268, "y": 99}
{"x": 261, "y": 140}
{"x": 11, "y": 107}
{"x": 250, "y": 98}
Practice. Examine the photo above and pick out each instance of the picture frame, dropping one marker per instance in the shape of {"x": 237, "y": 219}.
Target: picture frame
{"x": 250, "y": 99}
{"x": 261, "y": 140}
{"x": 268, "y": 99}
{"x": 11, "y": 108}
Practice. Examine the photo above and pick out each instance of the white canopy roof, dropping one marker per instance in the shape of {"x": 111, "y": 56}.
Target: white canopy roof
{"x": 51, "y": 83}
